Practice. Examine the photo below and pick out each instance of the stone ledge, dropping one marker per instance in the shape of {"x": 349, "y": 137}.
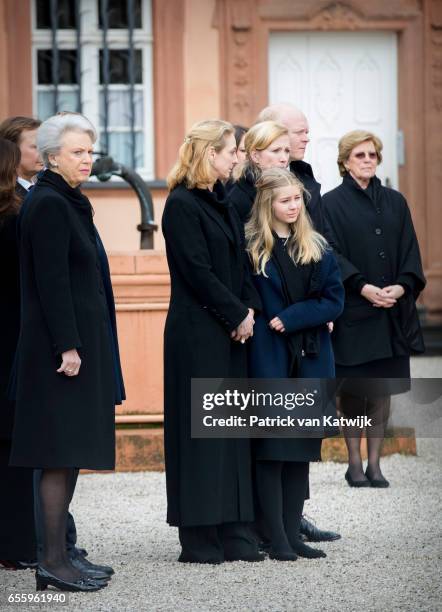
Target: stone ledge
{"x": 142, "y": 449}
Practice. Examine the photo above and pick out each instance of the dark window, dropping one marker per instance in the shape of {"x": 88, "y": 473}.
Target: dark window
{"x": 67, "y": 67}
{"x": 117, "y": 14}
{"x": 119, "y": 66}
{"x": 65, "y": 15}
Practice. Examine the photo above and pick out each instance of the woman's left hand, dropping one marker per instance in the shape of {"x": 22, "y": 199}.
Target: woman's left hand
{"x": 277, "y": 325}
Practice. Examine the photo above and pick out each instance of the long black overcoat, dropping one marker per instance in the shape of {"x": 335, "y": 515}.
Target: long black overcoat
{"x": 303, "y": 171}
{"x": 9, "y": 316}
{"x": 208, "y": 480}
{"x": 372, "y": 233}
{"x": 62, "y": 421}
{"x": 17, "y": 534}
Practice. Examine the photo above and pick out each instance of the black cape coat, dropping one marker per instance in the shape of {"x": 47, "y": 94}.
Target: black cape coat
{"x": 373, "y": 236}
{"x": 62, "y": 421}
{"x": 209, "y": 481}
{"x": 303, "y": 171}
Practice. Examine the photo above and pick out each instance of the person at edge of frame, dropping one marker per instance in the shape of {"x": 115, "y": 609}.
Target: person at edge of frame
{"x": 17, "y": 533}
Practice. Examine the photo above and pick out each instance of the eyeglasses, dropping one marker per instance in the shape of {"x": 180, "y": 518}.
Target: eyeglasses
{"x": 363, "y": 155}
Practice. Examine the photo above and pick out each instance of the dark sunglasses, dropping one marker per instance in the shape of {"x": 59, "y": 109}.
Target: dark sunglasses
{"x": 363, "y": 155}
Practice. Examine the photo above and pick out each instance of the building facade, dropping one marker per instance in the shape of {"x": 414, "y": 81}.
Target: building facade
{"x": 145, "y": 70}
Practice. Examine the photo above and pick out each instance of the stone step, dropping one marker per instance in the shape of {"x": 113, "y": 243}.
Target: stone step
{"x": 141, "y": 449}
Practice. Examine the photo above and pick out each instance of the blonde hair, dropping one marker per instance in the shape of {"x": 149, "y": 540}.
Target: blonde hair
{"x": 193, "y": 166}
{"x": 352, "y": 139}
{"x": 304, "y": 244}
{"x": 258, "y": 138}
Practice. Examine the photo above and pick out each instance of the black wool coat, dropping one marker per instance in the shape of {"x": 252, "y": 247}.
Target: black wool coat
{"x": 17, "y": 533}
{"x": 9, "y": 316}
{"x": 209, "y": 481}
{"x": 303, "y": 171}
{"x": 242, "y": 195}
{"x": 373, "y": 236}
{"x": 62, "y": 421}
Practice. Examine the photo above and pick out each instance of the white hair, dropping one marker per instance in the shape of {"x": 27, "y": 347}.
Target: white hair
{"x": 276, "y": 112}
{"x": 51, "y": 132}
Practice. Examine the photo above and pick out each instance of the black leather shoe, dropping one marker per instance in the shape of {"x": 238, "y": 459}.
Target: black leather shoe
{"x": 378, "y": 483}
{"x": 313, "y": 534}
{"x": 356, "y": 483}
{"x": 87, "y": 565}
{"x": 90, "y": 570}
{"x": 43, "y": 579}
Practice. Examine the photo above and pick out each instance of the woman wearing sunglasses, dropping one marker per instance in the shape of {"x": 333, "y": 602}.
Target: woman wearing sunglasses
{"x": 371, "y": 230}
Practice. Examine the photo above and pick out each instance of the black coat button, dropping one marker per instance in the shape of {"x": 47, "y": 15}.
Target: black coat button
{"x": 382, "y": 254}
{"x": 378, "y": 210}
{"x": 383, "y": 278}
{"x": 378, "y": 231}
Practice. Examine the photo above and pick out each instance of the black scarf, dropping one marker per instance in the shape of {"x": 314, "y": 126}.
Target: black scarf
{"x": 299, "y": 282}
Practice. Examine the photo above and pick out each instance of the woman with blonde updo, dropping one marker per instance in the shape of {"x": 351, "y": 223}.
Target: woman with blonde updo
{"x": 297, "y": 278}
{"x": 267, "y": 145}
{"x": 211, "y": 316}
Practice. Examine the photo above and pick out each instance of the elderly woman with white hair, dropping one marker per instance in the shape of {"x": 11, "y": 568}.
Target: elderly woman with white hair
{"x": 68, "y": 375}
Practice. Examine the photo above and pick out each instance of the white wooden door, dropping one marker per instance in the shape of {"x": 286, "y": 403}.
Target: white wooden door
{"x": 342, "y": 81}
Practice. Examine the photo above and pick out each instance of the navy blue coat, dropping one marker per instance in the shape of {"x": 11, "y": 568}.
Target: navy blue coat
{"x": 270, "y": 354}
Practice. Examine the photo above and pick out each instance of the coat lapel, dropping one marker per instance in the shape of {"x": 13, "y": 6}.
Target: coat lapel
{"x": 208, "y": 208}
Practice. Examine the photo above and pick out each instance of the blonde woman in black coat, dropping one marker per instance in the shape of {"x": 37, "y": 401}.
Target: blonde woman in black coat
{"x": 67, "y": 378}
{"x": 371, "y": 230}
{"x": 266, "y": 146}
{"x": 211, "y": 316}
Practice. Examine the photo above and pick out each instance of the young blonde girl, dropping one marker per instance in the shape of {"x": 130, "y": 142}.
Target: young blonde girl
{"x": 298, "y": 280}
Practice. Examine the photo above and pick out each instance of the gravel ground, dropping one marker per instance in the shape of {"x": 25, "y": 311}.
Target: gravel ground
{"x": 389, "y": 558}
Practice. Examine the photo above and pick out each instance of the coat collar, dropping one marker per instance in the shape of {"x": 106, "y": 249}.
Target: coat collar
{"x": 247, "y": 184}
{"x": 301, "y": 167}
{"x": 372, "y": 190}
{"x": 57, "y": 182}
{"x": 216, "y": 204}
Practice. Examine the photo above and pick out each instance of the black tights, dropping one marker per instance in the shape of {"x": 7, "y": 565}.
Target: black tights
{"x": 378, "y": 409}
{"x": 55, "y": 493}
{"x": 281, "y": 487}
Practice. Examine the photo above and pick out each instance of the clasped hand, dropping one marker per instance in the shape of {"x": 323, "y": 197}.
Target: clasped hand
{"x": 245, "y": 329}
{"x": 382, "y": 298}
